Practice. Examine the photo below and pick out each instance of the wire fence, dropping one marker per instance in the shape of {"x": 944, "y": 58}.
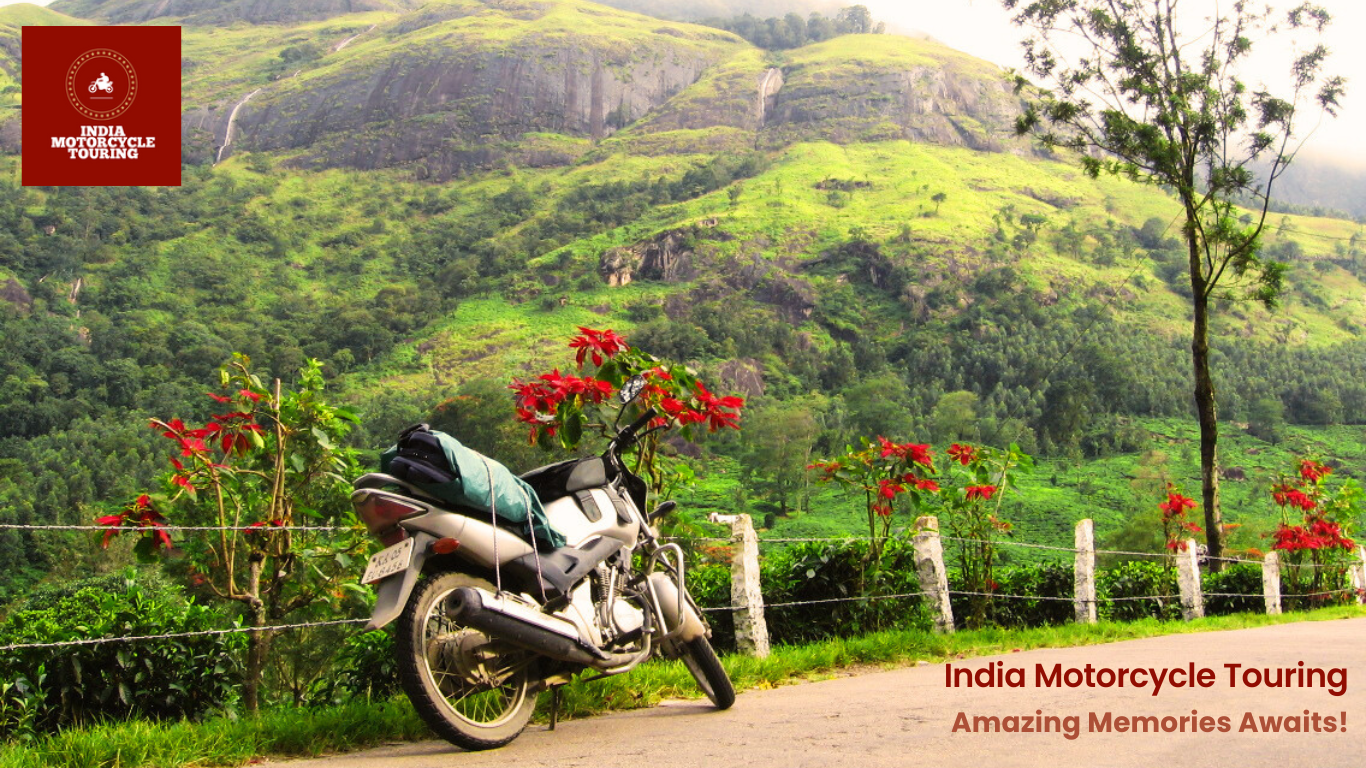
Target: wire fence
{"x": 993, "y": 542}
{"x": 179, "y": 635}
{"x": 711, "y": 609}
{"x": 183, "y": 528}
{"x": 709, "y": 539}
{"x": 861, "y": 599}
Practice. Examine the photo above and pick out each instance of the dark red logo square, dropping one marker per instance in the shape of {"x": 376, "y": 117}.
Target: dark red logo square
{"x": 101, "y": 106}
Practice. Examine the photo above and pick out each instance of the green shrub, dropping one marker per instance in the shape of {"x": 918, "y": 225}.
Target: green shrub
{"x": 830, "y": 571}
{"x": 364, "y": 668}
{"x": 811, "y": 574}
{"x": 709, "y": 586}
{"x": 1051, "y": 580}
{"x": 1138, "y": 580}
{"x": 51, "y": 688}
{"x": 1237, "y": 579}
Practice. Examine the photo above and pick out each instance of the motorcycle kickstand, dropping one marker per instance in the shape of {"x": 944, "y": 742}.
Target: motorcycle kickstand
{"x": 554, "y": 706}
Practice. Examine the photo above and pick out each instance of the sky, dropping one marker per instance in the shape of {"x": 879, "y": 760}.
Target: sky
{"x": 983, "y": 29}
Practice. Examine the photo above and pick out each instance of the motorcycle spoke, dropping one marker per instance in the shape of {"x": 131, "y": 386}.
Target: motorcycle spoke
{"x": 472, "y": 690}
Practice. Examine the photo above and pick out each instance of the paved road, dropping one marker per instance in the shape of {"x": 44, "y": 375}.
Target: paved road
{"x": 905, "y": 717}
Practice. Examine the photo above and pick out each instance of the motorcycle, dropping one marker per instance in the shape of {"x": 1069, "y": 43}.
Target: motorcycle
{"x": 102, "y": 84}
{"x": 486, "y": 620}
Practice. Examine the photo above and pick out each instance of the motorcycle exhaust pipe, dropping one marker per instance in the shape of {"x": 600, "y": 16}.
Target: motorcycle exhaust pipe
{"x": 536, "y": 632}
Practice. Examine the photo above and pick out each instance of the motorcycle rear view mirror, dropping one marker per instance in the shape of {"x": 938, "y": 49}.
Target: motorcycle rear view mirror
{"x": 631, "y": 389}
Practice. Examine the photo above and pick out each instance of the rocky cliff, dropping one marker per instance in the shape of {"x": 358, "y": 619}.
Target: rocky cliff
{"x": 879, "y": 87}
{"x": 456, "y": 86}
{"x": 457, "y": 89}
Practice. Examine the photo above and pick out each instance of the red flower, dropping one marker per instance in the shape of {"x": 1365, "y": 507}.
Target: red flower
{"x": 141, "y": 512}
{"x": 963, "y": 454}
{"x": 536, "y": 396}
{"x": 219, "y": 398}
{"x": 248, "y": 394}
{"x": 828, "y": 467}
{"x": 1290, "y": 496}
{"x": 114, "y": 522}
{"x": 1330, "y": 534}
{"x": 888, "y": 489}
{"x": 1293, "y": 538}
{"x": 672, "y": 406}
{"x": 174, "y": 428}
{"x": 914, "y": 453}
{"x": 1313, "y": 470}
{"x": 718, "y": 412}
{"x": 1175, "y": 505}
{"x": 259, "y": 527}
{"x": 984, "y": 492}
{"x": 162, "y": 538}
{"x": 599, "y": 344}
{"x": 920, "y": 483}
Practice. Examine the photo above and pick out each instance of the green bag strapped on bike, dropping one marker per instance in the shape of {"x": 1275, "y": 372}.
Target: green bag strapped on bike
{"x": 438, "y": 464}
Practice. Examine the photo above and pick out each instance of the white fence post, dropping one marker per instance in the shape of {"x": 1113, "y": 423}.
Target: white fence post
{"x": 1084, "y": 569}
{"x": 929, "y": 567}
{"x": 1271, "y": 582}
{"x": 1188, "y": 578}
{"x": 746, "y": 594}
{"x": 1358, "y": 569}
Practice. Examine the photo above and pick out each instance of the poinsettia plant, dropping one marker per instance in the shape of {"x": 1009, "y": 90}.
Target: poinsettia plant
{"x": 975, "y": 485}
{"x": 562, "y": 408}
{"x": 1175, "y": 523}
{"x": 888, "y": 475}
{"x": 271, "y": 460}
{"x": 968, "y": 493}
{"x": 1312, "y": 534}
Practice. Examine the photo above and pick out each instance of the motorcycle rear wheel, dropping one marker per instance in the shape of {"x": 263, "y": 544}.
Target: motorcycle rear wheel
{"x": 700, "y": 659}
{"x": 472, "y": 690}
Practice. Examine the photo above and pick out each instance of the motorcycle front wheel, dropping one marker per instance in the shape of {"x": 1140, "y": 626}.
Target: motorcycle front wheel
{"x": 472, "y": 690}
{"x": 700, "y": 659}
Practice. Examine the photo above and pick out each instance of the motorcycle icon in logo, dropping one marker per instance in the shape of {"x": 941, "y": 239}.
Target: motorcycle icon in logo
{"x": 103, "y": 83}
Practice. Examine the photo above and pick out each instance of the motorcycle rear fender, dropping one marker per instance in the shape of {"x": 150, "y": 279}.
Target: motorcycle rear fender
{"x": 480, "y": 543}
{"x": 392, "y": 593}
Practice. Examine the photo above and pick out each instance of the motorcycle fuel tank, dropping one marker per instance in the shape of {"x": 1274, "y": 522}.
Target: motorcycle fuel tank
{"x": 569, "y": 517}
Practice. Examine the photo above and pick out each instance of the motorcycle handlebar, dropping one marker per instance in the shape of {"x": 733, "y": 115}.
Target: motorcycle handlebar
{"x": 630, "y": 432}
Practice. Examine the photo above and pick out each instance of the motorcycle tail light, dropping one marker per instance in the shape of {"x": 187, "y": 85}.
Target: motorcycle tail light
{"x": 381, "y": 515}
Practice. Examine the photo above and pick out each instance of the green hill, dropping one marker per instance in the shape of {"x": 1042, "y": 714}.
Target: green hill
{"x": 30, "y": 15}
{"x": 12, "y": 20}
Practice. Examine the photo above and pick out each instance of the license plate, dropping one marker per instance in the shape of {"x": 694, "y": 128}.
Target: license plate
{"x": 388, "y": 562}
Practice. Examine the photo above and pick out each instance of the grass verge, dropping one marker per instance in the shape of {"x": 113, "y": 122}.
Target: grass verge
{"x": 311, "y": 732}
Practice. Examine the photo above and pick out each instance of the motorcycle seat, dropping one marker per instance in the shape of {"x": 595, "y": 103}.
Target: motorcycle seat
{"x": 555, "y": 481}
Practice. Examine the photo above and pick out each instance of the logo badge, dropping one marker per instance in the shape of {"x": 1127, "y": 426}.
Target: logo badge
{"x": 101, "y": 106}
{"x": 96, "y": 96}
